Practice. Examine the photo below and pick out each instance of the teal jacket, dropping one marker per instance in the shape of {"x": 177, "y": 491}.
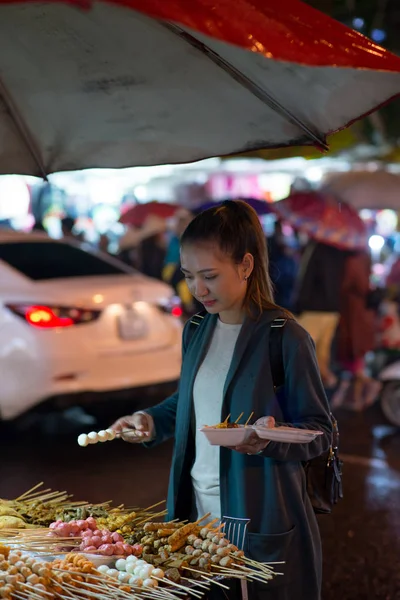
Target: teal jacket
{"x": 269, "y": 489}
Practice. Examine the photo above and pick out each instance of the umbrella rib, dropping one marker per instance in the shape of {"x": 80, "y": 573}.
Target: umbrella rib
{"x": 22, "y": 128}
{"x": 246, "y": 82}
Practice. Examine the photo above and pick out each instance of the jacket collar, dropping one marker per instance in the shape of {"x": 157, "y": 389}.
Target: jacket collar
{"x": 197, "y": 351}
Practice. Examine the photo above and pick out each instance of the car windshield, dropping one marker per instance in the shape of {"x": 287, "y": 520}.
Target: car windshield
{"x": 56, "y": 260}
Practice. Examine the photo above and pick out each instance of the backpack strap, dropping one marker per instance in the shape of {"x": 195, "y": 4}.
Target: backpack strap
{"x": 192, "y": 326}
{"x": 276, "y": 352}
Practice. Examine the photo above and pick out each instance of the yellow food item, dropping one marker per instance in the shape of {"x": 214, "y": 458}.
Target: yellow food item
{"x": 178, "y": 539}
{"x": 8, "y": 522}
{"x": 6, "y": 510}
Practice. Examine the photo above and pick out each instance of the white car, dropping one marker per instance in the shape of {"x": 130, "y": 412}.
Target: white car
{"x": 73, "y": 320}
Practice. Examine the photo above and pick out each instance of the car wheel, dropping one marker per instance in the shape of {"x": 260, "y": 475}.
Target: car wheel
{"x": 390, "y": 402}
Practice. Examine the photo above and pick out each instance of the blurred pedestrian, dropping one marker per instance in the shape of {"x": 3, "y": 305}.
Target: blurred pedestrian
{"x": 172, "y": 273}
{"x": 144, "y": 248}
{"x": 317, "y": 300}
{"x": 225, "y": 371}
{"x": 356, "y": 333}
{"x": 282, "y": 267}
{"x": 67, "y": 227}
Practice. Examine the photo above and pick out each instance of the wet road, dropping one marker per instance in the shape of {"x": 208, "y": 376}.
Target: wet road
{"x": 361, "y": 539}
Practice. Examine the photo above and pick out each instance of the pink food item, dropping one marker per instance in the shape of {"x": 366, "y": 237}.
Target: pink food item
{"x": 86, "y": 543}
{"x": 95, "y": 540}
{"x": 98, "y": 532}
{"x": 82, "y": 524}
{"x": 127, "y": 549}
{"x": 88, "y": 533}
{"x": 74, "y": 528}
{"x": 106, "y": 549}
{"x": 63, "y": 530}
{"x": 137, "y": 549}
{"x": 116, "y": 537}
{"x": 119, "y": 548}
{"x": 91, "y": 522}
{"x": 52, "y": 534}
{"x": 90, "y": 549}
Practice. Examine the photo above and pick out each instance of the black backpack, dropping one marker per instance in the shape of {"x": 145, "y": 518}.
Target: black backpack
{"x": 323, "y": 473}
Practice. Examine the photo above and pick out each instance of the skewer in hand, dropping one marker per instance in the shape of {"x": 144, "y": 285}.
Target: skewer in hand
{"x": 94, "y": 437}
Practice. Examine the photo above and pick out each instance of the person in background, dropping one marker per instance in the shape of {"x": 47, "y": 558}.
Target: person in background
{"x": 172, "y": 273}
{"x": 356, "y": 333}
{"x": 283, "y": 267}
{"x": 144, "y": 248}
{"x": 226, "y": 371}
{"x": 39, "y": 226}
{"x": 103, "y": 243}
{"x": 317, "y": 300}
{"x": 67, "y": 227}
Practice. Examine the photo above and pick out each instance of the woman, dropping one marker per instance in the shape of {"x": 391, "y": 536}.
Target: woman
{"x": 226, "y": 370}
{"x": 356, "y": 334}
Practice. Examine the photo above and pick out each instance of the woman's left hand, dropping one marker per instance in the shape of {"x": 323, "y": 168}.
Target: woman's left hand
{"x": 253, "y": 444}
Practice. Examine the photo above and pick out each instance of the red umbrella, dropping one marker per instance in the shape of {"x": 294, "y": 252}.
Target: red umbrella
{"x": 137, "y": 215}
{"x": 142, "y": 82}
{"x": 324, "y": 219}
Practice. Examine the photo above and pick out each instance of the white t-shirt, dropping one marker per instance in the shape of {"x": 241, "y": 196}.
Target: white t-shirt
{"x": 208, "y": 397}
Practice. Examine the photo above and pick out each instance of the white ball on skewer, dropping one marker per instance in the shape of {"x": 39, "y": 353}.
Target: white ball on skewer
{"x": 131, "y": 558}
{"x": 135, "y": 581}
{"x": 158, "y": 573}
{"x": 130, "y": 567}
{"x": 124, "y": 577}
{"x": 111, "y": 434}
{"x": 113, "y": 573}
{"x": 103, "y": 569}
{"x": 150, "y": 583}
{"x": 93, "y": 437}
{"x": 103, "y": 436}
{"x": 120, "y": 564}
{"x": 83, "y": 440}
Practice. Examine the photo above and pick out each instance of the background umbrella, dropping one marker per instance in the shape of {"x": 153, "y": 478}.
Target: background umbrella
{"x": 364, "y": 189}
{"x": 260, "y": 206}
{"x": 138, "y": 214}
{"x": 155, "y": 82}
{"x": 323, "y": 219}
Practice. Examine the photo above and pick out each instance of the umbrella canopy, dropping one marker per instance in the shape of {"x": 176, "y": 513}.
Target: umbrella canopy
{"x": 323, "y": 219}
{"x": 365, "y": 189}
{"x": 144, "y": 82}
{"x": 138, "y": 214}
{"x": 260, "y": 206}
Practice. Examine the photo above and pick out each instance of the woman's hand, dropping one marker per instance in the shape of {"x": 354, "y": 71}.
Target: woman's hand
{"x": 253, "y": 444}
{"x": 136, "y": 428}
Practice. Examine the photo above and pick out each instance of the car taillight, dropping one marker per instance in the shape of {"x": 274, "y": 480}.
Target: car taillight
{"x": 172, "y": 307}
{"x": 49, "y": 317}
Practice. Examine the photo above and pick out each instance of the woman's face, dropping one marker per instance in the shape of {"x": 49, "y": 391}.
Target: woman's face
{"x": 215, "y": 280}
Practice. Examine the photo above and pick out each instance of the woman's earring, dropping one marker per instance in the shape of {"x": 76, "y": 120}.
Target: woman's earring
{"x": 245, "y": 277}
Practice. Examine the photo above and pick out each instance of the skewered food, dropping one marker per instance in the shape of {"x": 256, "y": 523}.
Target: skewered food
{"x": 94, "y": 540}
{"x": 94, "y": 437}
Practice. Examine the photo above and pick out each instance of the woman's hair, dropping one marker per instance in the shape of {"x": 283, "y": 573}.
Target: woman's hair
{"x": 235, "y": 228}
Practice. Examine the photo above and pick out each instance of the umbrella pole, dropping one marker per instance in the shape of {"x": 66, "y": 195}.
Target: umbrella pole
{"x": 22, "y": 129}
{"x": 247, "y": 83}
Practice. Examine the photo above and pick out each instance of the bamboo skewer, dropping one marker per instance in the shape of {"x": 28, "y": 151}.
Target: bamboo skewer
{"x": 247, "y": 422}
{"x": 238, "y": 419}
{"x": 28, "y": 492}
{"x": 203, "y": 574}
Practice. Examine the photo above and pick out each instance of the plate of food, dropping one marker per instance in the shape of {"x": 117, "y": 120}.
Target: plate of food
{"x": 228, "y": 433}
{"x": 290, "y": 435}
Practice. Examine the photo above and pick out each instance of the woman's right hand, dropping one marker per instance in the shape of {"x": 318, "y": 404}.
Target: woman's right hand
{"x": 135, "y": 428}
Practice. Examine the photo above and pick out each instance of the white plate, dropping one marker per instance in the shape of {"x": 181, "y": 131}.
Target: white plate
{"x": 290, "y": 435}
{"x": 227, "y": 437}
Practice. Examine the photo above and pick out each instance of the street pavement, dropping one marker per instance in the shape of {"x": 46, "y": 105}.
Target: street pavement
{"x": 361, "y": 539}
